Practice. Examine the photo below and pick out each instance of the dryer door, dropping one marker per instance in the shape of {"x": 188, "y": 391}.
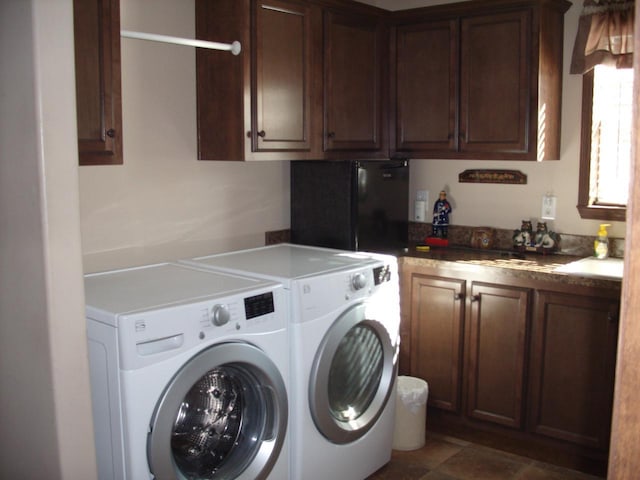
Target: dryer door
{"x": 223, "y": 415}
{"x": 352, "y": 376}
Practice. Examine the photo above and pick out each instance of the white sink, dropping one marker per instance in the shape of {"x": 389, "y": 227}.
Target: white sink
{"x": 592, "y": 267}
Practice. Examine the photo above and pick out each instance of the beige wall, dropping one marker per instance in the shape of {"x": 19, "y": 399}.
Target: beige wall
{"x": 45, "y": 410}
{"x": 163, "y": 203}
{"x": 505, "y": 206}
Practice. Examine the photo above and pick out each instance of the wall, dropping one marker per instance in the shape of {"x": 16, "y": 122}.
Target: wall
{"x": 504, "y": 206}
{"x": 163, "y": 203}
{"x": 45, "y": 406}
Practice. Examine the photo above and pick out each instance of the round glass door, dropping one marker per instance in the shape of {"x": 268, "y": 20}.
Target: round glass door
{"x": 223, "y": 416}
{"x": 352, "y": 376}
{"x": 355, "y": 373}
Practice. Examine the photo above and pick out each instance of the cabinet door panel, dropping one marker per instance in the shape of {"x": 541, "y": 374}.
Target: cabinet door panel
{"x": 495, "y": 83}
{"x": 426, "y": 88}
{"x": 573, "y": 364}
{"x": 497, "y": 352}
{"x": 437, "y": 313}
{"x": 98, "y": 85}
{"x": 353, "y": 92}
{"x": 283, "y": 65}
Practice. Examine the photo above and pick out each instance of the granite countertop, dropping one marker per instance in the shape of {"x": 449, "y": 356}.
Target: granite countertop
{"x": 523, "y": 265}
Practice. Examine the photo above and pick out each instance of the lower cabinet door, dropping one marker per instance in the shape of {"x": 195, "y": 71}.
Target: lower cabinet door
{"x": 497, "y": 352}
{"x": 437, "y": 317}
{"x": 573, "y": 367}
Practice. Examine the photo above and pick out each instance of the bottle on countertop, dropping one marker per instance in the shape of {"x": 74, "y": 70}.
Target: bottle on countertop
{"x": 601, "y": 244}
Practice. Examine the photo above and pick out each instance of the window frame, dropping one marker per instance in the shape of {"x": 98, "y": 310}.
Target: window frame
{"x": 597, "y": 212}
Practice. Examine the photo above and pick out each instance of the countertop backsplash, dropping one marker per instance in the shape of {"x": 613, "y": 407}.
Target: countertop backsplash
{"x": 578, "y": 245}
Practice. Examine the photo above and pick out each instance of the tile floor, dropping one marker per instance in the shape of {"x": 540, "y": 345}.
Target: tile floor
{"x": 446, "y": 458}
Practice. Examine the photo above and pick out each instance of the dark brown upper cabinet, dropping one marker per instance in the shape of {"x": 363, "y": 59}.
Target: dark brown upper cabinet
{"x": 478, "y": 80}
{"x": 355, "y": 116}
{"x": 258, "y": 104}
{"x": 308, "y": 84}
{"x": 98, "y": 85}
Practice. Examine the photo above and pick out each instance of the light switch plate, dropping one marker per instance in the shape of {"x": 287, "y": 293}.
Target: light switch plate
{"x": 548, "y": 207}
{"x": 419, "y": 209}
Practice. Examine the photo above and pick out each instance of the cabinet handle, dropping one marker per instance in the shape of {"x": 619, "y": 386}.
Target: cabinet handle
{"x": 475, "y": 298}
{"x": 331, "y": 134}
{"x": 458, "y": 296}
{"x": 111, "y": 133}
{"x": 262, "y": 133}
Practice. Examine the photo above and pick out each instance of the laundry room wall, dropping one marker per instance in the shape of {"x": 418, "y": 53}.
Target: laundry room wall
{"x": 45, "y": 404}
{"x": 163, "y": 203}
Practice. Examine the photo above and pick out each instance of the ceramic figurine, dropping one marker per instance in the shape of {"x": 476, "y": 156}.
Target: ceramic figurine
{"x": 523, "y": 236}
{"x": 541, "y": 232}
{"x": 441, "y": 211}
{"x": 542, "y": 241}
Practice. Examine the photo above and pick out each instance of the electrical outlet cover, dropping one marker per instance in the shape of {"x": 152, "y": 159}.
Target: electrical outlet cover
{"x": 548, "y": 207}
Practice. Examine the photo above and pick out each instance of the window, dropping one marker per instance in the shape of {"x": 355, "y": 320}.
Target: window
{"x": 605, "y": 155}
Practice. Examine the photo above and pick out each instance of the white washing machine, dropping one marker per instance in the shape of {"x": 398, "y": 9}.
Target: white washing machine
{"x": 189, "y": 374}
{"x": 345, "y": 319}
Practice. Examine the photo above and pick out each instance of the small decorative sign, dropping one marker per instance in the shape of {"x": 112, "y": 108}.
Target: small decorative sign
{"x": 493, "y": 176}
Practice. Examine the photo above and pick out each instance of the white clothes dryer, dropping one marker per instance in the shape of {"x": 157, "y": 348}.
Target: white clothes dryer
{"x": 189, "y": 374}
{"x": 344, "y": 326}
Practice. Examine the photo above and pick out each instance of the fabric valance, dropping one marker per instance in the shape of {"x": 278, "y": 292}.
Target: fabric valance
{"x": 605, "y": 35}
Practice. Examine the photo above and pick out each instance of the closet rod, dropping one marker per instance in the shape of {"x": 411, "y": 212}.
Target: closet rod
{"x": 234, "y": 47}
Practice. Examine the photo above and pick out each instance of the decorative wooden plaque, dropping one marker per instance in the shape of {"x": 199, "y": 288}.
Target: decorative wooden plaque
{"x": 493, "y": 176}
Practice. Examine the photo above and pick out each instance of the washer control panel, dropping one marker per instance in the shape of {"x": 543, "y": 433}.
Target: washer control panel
{"x": 259, "y": 305}
{"x": 255, "y": 306}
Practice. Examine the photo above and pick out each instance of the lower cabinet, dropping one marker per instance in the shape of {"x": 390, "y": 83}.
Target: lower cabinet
{"x": 496, "y": 353}
{"x": 573, "y": 359}
{"x": 528, "y": 361}
{"x": 436, "y": 337}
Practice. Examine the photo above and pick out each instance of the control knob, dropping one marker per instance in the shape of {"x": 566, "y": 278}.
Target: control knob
{"x": 220, "y": 314}
{"x": 358, "y": 281}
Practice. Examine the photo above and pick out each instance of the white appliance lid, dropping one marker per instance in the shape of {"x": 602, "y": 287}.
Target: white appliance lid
{"x": 288, "y": 261}
{"x": 153, "y": 286}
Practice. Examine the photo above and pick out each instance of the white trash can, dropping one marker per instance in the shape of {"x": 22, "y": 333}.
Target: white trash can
{"x": 411, "y": 413}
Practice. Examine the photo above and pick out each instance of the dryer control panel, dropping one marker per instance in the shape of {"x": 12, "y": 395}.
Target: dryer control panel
{"x": 382, "y": 274}
{"x": 321, "y": 295}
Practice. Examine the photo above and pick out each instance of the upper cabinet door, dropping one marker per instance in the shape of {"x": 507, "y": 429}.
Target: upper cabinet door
{"x": 259, "y": 105}
{"x": 496, "y": 83}
{"x": 282, "y": 77}
{"x": 426, "y": 101}
{"x": 98, "y": 87}
{"x": 353, "y": 74}
{"x": 478, "y": 80}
